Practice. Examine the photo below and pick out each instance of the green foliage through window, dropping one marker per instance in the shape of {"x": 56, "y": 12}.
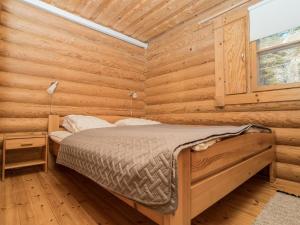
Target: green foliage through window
{"x": 279, "y": 58}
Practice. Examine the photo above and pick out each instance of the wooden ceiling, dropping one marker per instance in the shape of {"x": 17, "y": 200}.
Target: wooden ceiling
{"x": 141, "y": 19}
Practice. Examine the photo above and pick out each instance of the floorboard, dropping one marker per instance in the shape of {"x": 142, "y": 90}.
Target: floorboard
{"x": 63, "y": 197}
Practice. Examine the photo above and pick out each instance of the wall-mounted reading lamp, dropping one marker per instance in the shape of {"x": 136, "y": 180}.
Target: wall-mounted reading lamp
{"x": 51, "y": 90}
{"x": 133, "y": 95}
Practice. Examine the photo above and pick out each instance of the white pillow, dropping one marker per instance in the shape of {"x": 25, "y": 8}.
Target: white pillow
{"x": 68, "y": 125}
{"x": 135, "y": 122}
{"x": 58, "y": 136}
{"x": 76, "y": 123}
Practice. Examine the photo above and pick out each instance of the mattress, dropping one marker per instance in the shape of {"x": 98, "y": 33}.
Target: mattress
{"x": 58, "y": 136}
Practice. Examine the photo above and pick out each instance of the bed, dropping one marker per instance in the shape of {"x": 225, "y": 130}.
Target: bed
{"x": 205, "y": 177}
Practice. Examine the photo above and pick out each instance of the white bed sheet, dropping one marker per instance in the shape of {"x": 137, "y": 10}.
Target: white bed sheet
{"x": 58, "y": 136}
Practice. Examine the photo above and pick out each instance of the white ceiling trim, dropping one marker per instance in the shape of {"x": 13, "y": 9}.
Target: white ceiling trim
{"x": 85, "y": 22}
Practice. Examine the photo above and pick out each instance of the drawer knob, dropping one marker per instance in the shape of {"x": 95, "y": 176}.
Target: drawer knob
{"x": 26, "y": 144}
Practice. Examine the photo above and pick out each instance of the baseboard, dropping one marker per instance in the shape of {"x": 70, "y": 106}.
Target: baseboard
{"x": 290, "y": 187}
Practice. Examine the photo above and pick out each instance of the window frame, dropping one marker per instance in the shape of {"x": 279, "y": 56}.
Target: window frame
{"x": 256, "y": 94}
{"x": 254, "y": 61}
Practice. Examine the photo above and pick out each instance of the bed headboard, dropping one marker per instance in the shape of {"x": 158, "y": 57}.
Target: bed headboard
{"x": 55, "y": 121}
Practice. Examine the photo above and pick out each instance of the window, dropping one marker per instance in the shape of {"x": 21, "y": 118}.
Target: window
{"x": 278, "y": 60}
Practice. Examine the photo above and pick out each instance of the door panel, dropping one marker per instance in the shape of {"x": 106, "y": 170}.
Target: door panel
{"x": 235, "y": 68}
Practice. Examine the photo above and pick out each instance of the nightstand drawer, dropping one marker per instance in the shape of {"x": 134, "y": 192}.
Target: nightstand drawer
{"x": 25, "y": 143}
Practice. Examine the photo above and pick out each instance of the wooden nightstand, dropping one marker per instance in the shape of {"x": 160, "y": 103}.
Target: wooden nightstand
{"x": 23, "y": 142}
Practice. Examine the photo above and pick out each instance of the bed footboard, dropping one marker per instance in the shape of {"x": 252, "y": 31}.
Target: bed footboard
{"x": 208, "y": 191}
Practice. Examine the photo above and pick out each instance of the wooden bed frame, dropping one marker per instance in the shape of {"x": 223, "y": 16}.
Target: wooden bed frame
{"x": 201, "y": 179}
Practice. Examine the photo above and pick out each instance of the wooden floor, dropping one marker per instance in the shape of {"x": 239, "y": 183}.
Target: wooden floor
{"x": 61, "y": 197}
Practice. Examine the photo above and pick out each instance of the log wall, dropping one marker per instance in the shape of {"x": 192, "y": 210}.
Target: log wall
{"x": 95, "y": 72}
{"x": 180, "y": 89}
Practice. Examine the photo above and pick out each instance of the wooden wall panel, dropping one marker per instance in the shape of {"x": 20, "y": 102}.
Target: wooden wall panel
{"x": 141, "y": 19}
{"x": 101, "y": 41}
{"x": 95, "y": 72}
{"x": 179, "y": 89}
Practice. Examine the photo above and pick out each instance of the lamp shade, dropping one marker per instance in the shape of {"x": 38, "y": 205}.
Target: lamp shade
{"x": 52, "y": 87}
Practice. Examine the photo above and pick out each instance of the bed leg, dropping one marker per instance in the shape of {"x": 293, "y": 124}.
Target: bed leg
{"x": 272, "y": 172}
{"x": 272, "y": 167}
{"x": 182, "y": 214}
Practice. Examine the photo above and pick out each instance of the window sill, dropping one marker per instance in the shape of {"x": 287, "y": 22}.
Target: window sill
{"x": 292, "y": 94}
{"x": 276, "y": 87}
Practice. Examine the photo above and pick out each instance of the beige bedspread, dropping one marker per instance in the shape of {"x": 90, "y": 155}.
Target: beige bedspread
{"x": 138, "y": 162}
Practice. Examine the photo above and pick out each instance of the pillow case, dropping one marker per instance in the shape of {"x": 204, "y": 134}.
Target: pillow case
{"x": 135, "y": 122}
{"x": 67, "y": 124}
{"x": 76, "y": 123}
